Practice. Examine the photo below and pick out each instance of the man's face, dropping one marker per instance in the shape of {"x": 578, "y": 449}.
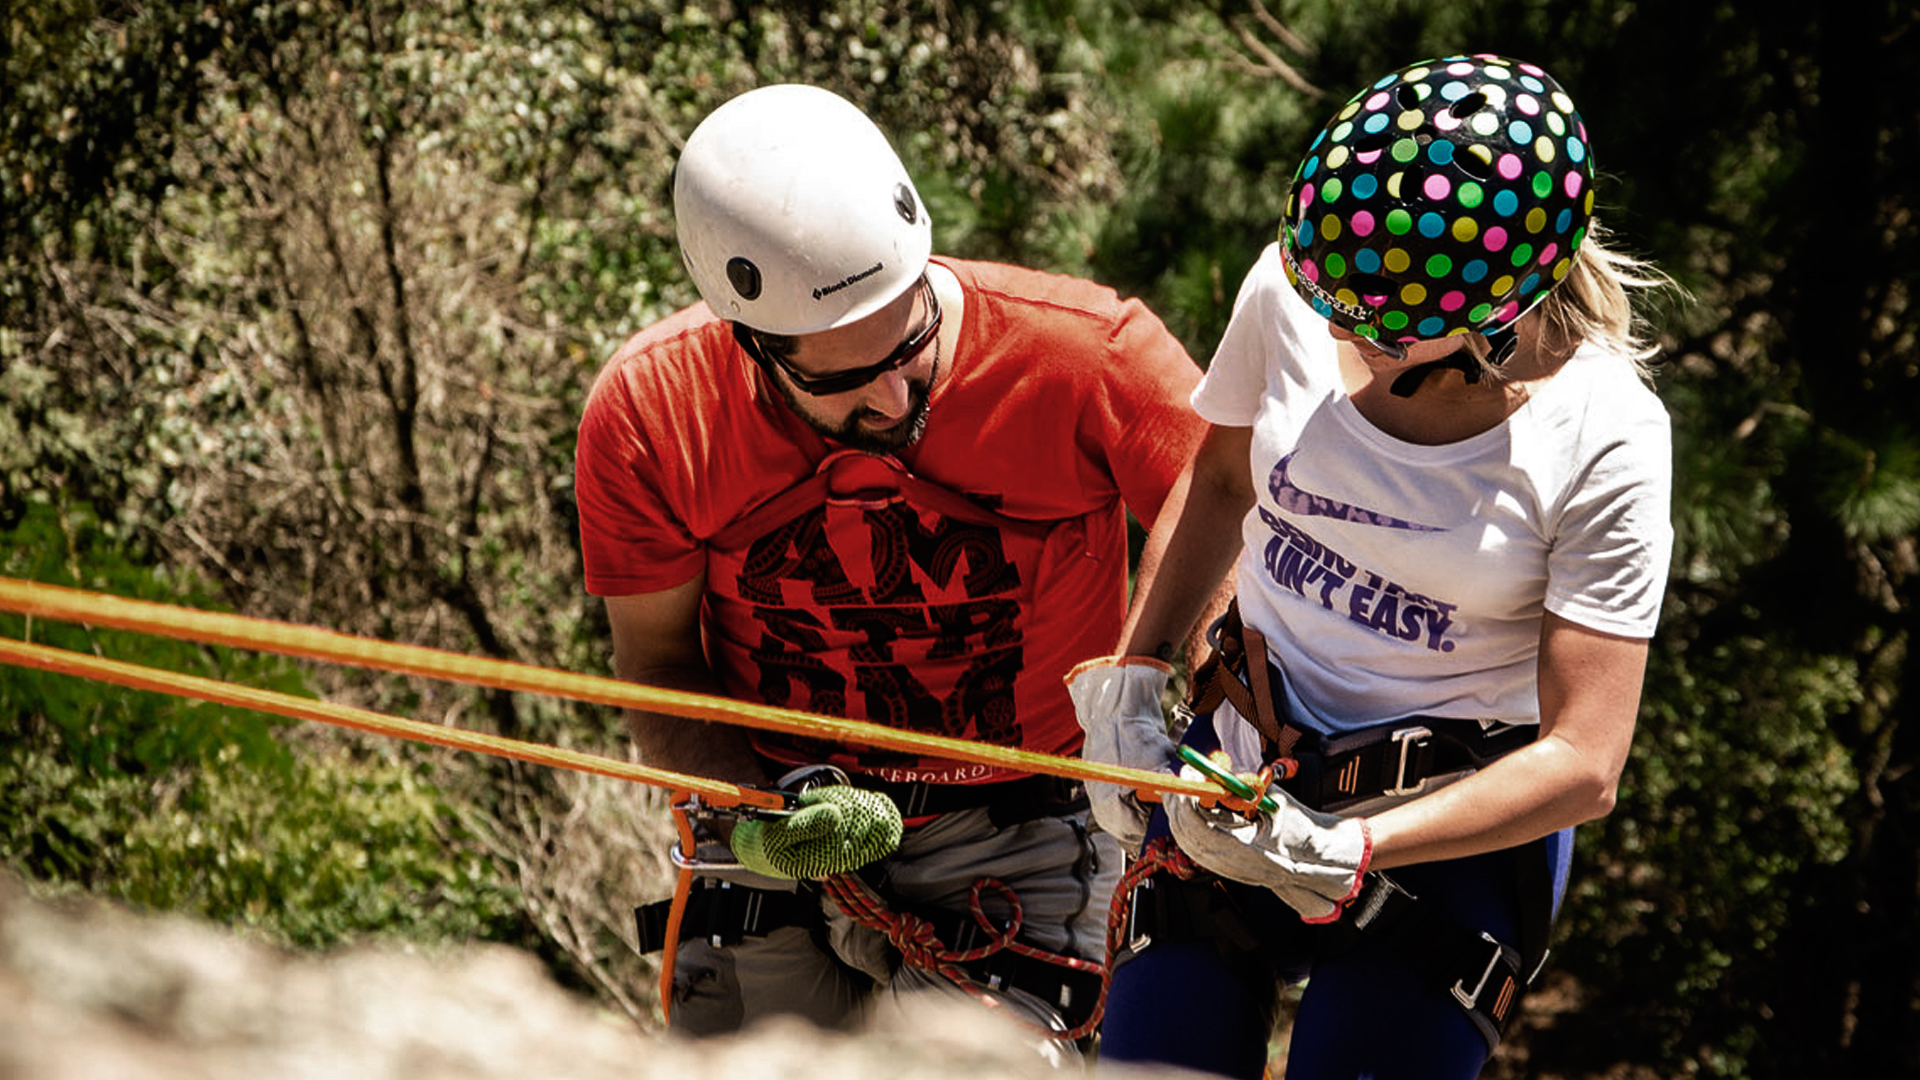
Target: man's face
{"x": 894, "y": 354}
{"x": 864, "y": 426}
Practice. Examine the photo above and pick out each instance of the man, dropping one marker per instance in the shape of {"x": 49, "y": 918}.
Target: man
{"x": 865, "y": 481}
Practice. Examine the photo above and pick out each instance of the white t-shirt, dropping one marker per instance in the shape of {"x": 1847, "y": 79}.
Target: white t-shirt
{"x": 1393, "y": 579}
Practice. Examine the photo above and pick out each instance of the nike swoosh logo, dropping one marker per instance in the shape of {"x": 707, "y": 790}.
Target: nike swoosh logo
{"x": 1305, "y": 503}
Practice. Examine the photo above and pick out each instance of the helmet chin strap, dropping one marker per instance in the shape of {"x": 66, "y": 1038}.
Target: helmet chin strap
{"x": 1410, "y": 380}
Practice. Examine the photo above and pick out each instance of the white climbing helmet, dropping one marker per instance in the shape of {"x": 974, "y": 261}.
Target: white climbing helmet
{"x": 794, "y": 213}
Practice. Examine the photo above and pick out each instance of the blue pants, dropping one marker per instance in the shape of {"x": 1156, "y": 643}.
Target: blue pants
{"x": 1199, "y": 1002}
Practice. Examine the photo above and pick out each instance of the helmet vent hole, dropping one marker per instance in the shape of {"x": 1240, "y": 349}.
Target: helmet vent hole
{"x": 1375, "y": 289}
{"x": 1374, "y": 143}
{"x": 1407, "y": 96}
{"x": 904, "y": 204}
{"x": 744, "y": 277}
{"x": 1470, "y": 162}
{"x": 1468, "y": 105}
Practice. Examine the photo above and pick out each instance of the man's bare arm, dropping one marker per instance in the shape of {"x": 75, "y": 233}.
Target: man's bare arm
{"x": 656, "y": 641}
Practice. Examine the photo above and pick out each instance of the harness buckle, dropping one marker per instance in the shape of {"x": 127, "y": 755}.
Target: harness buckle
{"x": 1406, "y": 738}
{"x": 1539, "y": 967}
{"x": 1468, "y": 999}
{"x": 697, "y": 863}
{"x": 1138, "y": 937}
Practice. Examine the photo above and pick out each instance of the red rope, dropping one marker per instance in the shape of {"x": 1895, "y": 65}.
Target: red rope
{"x": 921, "y": 947}
{"x": 1160, "y": 854}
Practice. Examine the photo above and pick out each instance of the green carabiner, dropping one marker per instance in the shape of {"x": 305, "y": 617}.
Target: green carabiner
{"x": 1235, "y": 786}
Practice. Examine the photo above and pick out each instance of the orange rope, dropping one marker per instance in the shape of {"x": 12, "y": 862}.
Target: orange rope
{"x": 239, "y": 631}
{"x": 137, "y": 677}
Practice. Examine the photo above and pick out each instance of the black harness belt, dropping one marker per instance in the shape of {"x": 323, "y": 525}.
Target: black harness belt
{"x": 723, "y": 913}
{"x": 1397, "y": 758}
{"x": 1009, "y": 802}
{"x": 1484, "y": 975}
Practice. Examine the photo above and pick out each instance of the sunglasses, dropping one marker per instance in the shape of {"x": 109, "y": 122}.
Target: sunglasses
{"x": 1392, "y": 349}
{"x": 853, "y": 378}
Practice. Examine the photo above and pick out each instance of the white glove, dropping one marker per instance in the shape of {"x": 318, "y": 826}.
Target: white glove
{"x": 1311, "y": 860}
{"x": 1117, "y": 700}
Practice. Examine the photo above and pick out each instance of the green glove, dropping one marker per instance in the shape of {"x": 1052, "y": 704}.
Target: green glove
{"x": 837, "y": 829}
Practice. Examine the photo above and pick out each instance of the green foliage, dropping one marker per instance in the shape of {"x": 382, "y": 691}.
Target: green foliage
{"x": 1873, "y": 483}
{"x": 124, "y": 731}
{"x": 313, "y": 855}
{"x": 187, "y": 806}
{"x": 1739, "y": 784}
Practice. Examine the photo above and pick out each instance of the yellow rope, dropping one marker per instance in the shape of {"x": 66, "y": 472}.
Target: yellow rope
{"x": 62, "y": 661}
{"x": 239, "y": 631}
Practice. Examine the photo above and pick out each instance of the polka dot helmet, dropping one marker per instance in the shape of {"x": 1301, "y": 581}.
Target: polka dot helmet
{"x": 1448, "y": 197}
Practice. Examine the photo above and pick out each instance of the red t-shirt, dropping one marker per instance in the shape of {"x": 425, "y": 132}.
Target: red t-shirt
{"x": 947, "y": 589}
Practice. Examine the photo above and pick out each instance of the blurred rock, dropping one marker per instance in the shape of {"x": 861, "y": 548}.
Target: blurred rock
{"x": 92, "y": 991}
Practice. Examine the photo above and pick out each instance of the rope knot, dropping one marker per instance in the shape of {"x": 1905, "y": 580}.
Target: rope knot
{"x": 918, "y": 945}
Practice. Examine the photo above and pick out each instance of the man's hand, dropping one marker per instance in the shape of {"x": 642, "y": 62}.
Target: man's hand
{"x": 1117, "y": 700}
{"x": 837, "y": 829}
{"x": 1311, "y": 860}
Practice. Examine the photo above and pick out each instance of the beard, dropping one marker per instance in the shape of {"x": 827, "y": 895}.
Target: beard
{"x": 852, "y": 433}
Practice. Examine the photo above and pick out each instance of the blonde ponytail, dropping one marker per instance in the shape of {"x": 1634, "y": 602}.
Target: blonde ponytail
{"x": 1595, "y": 303}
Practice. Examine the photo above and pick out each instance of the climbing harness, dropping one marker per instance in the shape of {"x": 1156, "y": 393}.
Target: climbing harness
{"x": 1164, "y": 894}
{"x": 972, "y": 951}
{"x": 1483, "y": 975}
{"x": 1165, "y": 898}
{"x": 1396, "y": 759}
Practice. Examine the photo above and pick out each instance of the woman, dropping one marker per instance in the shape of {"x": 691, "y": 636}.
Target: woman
{"x": 1440, "y": 477}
